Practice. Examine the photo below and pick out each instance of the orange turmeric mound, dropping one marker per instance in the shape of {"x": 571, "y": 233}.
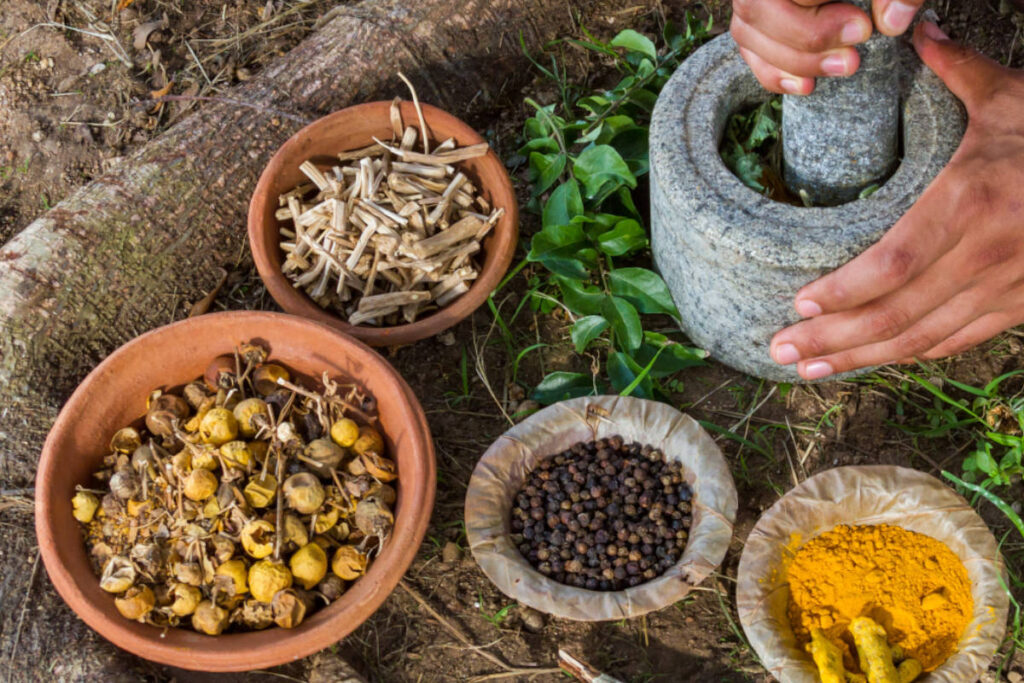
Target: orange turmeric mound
{"x": 911, "y": 584}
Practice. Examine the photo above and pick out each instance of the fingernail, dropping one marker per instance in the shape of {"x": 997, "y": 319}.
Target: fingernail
{"x": 786, "y": 354}
{"x": 817, "y": 369}
{"x": 934, "y": 32}
{"x": 790, "y": 85}
{"x": 897, "y": 17}
{"x": 855, "y": 32}
{"x": 807, "y": 308}
{"x": 834, "y": 65}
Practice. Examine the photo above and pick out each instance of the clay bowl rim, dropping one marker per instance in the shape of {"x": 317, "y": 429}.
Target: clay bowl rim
{"x": 498, "y": 247}
{"x": 273, "y": 646}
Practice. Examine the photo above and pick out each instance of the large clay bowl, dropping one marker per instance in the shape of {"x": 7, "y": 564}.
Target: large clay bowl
{"x": 352, "y": 128}
{"x": 114, "y": 394}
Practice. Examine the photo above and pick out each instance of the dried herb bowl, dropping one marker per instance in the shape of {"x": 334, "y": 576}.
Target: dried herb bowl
{"x": 114, "y": 394}
{"x": 354, "y": 128}
{"x": 508, "y": 462}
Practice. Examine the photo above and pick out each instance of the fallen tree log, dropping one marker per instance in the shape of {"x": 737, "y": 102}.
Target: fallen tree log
{"x": 118, "y": 257}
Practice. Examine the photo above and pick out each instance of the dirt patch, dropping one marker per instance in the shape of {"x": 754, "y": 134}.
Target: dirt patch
{"x": 68, "y": 120}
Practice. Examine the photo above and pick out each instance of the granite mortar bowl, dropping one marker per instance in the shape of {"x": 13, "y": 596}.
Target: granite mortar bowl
{"x": 114, "y": 395}
{"x": 734, "y": 259}
{"x": 506, "y": 465}
{"x": 352, "y": 128}
{"x": 867, "y": 495}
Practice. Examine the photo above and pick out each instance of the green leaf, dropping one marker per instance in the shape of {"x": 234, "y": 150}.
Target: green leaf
{"x": 644, "y": 289}
{"x": 627, "y": 236}
{"x": 578, "y": 298}
{"x": 623, "y": 372}
{"x": 560, "y": 386}
{"x": 984, "y": 461}
{"x": 548, "y": 145}
{"x": 766, "y": 124}
{"x": 633, "y": 146}
{"x": 586, "y": 330}
{"x": 636, "y": 42}
{"x": 564, "y": 204}
{"x": 673, "y": 358}
{"x": 560, "y": 248}
{"x": 625, "y": 322}
{"x": 602, "y": 170}
{"x": 546, "y": 169}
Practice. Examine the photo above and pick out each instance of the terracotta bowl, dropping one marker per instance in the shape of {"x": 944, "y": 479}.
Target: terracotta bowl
{"x": 352, "y": 128}
{"x": 114, "y": 394}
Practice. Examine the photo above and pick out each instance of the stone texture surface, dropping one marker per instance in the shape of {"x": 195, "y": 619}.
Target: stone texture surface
{"x": 844, "y": 136}
{"x": 734, "y": 259}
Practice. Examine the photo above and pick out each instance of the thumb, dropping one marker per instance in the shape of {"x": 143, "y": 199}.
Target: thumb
{"x": 970, "y": 76}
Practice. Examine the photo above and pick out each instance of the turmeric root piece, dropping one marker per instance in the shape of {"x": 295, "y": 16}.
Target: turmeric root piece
{"x": 909, "y": 669}
{"x": 876, "y": 657}
{"x": 827, "y": 657}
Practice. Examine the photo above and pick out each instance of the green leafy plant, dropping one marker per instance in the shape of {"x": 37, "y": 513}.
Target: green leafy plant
{"x": 750, "y": 145}
{"x": 586, "y": 156}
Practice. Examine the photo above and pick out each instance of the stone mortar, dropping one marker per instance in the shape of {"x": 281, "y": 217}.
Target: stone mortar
{"x": 734, "y": 259}
{"x": 844, "y": 136}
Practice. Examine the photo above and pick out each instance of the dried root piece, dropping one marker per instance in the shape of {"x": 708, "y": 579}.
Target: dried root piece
{"x": 389, "y": 235}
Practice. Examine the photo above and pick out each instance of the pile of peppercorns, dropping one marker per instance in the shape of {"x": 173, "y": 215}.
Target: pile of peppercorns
{"x": 603, "y": 515}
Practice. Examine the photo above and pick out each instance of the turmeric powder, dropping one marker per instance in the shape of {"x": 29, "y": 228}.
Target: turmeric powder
{"x": 909, "y": 583}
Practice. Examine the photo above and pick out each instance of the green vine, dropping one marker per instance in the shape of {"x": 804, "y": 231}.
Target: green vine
{"x": 586, "y": 154}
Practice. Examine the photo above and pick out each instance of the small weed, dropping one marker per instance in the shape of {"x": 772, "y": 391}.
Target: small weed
{"x": 498, "y": 617}
{"x": 32, "y": 56}
{"x": 45, "y": 201}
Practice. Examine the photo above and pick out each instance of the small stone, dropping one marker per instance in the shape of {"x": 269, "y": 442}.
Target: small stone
{"x": 516, "y": 392}
{"x": 1014, "y": 677}
{"x": 97, "y": 68}
{"x": 533, "y": 621}
{"x": 447, "y": 338}
{"x": 451, "y": 553}
{"x": 330, "y": 668}
{"x": 37, "y": 135}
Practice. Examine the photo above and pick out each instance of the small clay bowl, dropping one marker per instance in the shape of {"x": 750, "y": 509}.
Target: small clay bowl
{"x": 352, "y": 128}
{"x": 114, "y": 395}
{"x": 867, "y": 495}
{"x": 502, "y": 470}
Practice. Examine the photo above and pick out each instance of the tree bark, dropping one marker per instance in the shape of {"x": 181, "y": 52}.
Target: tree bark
{"x": 117, "y": 257}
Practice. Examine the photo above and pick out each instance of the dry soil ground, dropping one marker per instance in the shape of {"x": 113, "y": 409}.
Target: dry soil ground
{"x": 69, "y": 109}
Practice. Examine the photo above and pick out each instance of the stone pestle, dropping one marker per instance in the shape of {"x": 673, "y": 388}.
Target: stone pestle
{"x": 844, "y": 137}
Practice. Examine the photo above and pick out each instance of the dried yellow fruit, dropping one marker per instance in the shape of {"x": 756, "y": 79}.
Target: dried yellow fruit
{"x": 325, "y": 453}
{"x": 379, "y": 467}
{"x": 308, "y": 565}
{"x": 373, "y": 517}
{"x": 369, "y": 440}
{"x": 218, "y": 426}
{"x": 344, "y": 432}
{"x": 289, "y": 607}
{"x": 256, "y": 615}
{"x": 295, "y": 532}
{"x": 237, "y": 572}
{"x": 258, "y": 450}
{"x": 260, "y": 490}
{"x": 186, "y": 599}
{"x": 246, "y": 411}
{"x": 135, "y": 603}
{"x": 199, "y": 485}
{"x": 205, "y": 459}
{"x": 303, "y": 493}
{"x": 125, "y": 440}
{"x": 348, "y": 563}
{"x": 325, "y": 520}
{"x": 118, "y": 575}
{"x": 266, "y": 578}
{"x": 188, "y": 572}
{"x": 83, "y": 506}
{"x": 265, "y": 377}
{"x": 236, "y": 453}
{"x": 210, "y": 618}
{"x": 258, "y": 538}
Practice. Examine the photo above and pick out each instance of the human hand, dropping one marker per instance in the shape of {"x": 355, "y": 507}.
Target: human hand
{"x": 950, "y": 273}
{"x": 788, "y": 43}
